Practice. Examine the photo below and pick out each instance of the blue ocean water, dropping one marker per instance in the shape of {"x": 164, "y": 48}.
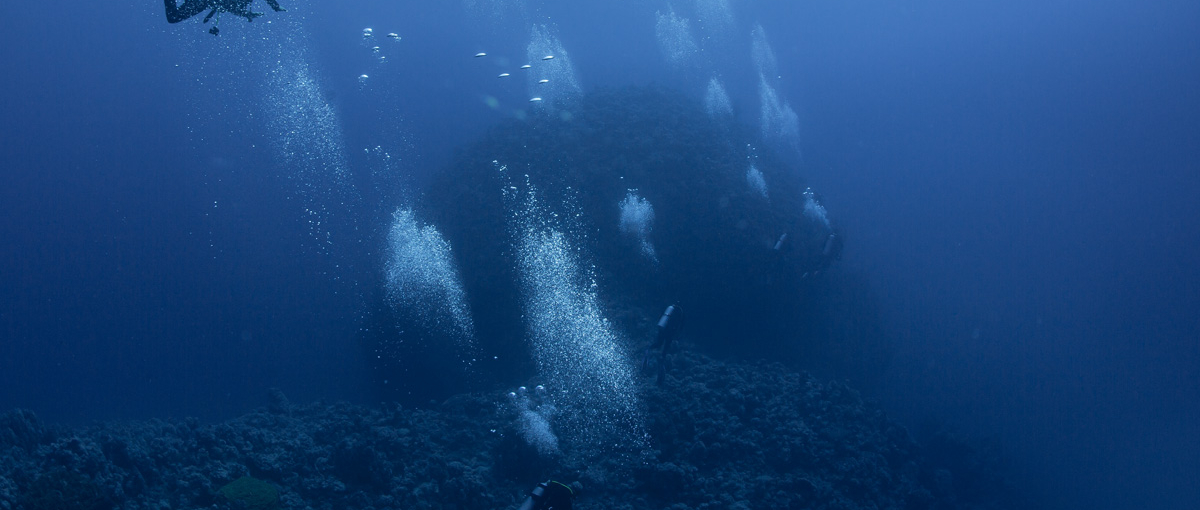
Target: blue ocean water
{"x": 191, "y": 220}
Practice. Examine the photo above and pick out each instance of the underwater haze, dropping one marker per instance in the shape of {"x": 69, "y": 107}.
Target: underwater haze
{"x": 390, "y": 254}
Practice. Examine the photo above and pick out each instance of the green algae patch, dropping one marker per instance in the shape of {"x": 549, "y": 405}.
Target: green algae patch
{"x": 254, "y": 493}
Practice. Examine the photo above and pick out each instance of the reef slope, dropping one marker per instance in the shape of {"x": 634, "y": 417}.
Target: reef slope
{"x": 722, "y": 435}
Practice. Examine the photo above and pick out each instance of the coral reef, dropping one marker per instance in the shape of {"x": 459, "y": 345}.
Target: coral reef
{"x": 721, "y": 435}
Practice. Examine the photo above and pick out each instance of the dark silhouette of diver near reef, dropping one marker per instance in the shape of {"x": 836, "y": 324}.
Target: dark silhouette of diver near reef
{"x": 668, "y": 328}
{"x": 189, "y": 8}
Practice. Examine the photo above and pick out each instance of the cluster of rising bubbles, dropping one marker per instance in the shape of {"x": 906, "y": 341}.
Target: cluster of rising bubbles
{"x": 546, "y": 66}
{"x": 637, "y": 220}
{"x": 268, "y": 76}
{"x": 534, "y": 411}
{"x": 556, "y": 79}
{"x": 675, "y": 39}
{"x": 376, "y": 51}
{"x": 715, "y": 16}
{"x": 716, "y": 100}
{"x": 778, "y": 121}
{"x": 575, "y": 348}
{"x": 309, "y": 142}
{"x": 813, "y": 210}
{"x": 423, "y": 282}
{"x": 494, "y": 10}
{"x": 762, "y": 54}
{"x": 310, "y": 132}
{"x": 756, "y": 182}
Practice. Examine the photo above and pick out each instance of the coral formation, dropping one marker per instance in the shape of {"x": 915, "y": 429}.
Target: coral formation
{"x": 721, "y": 435}
{"x": 59, "y": 488}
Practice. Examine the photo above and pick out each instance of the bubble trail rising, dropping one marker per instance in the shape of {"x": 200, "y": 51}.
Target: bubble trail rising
{"x": 575, "y": 348}
{"x": 422, "y": 281}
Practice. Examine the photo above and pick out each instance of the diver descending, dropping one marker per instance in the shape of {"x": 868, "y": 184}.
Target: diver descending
{"x": 831, "y": 250}
{"x": 241, "y": 8}
{"x": 668, "y": 328}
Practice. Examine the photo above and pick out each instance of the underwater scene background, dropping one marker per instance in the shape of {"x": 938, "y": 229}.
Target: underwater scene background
{"x": 391, "y": 254}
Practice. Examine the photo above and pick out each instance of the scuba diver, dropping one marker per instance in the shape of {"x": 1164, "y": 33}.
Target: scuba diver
{"x": 552, "y": 495}
{"x": 831, "y": 250}
{"x": 668, "y": 328}
{"x": 241, "y": 8}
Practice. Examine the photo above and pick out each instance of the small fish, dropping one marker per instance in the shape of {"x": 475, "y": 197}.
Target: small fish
{"x": 548, "y": 57}
{"x": 526, "y": 66}
{"x": 503, "y": 75}
{"x": 543, "y": 81}
{"x": 534, "y": 100}
{"x": 480, "y": 54}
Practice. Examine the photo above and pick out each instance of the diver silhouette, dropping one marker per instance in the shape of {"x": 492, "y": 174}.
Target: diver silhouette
{"x": 668, "y": 329}
{"x": 178, "y": 12}
{"x": 552, "y": 495}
